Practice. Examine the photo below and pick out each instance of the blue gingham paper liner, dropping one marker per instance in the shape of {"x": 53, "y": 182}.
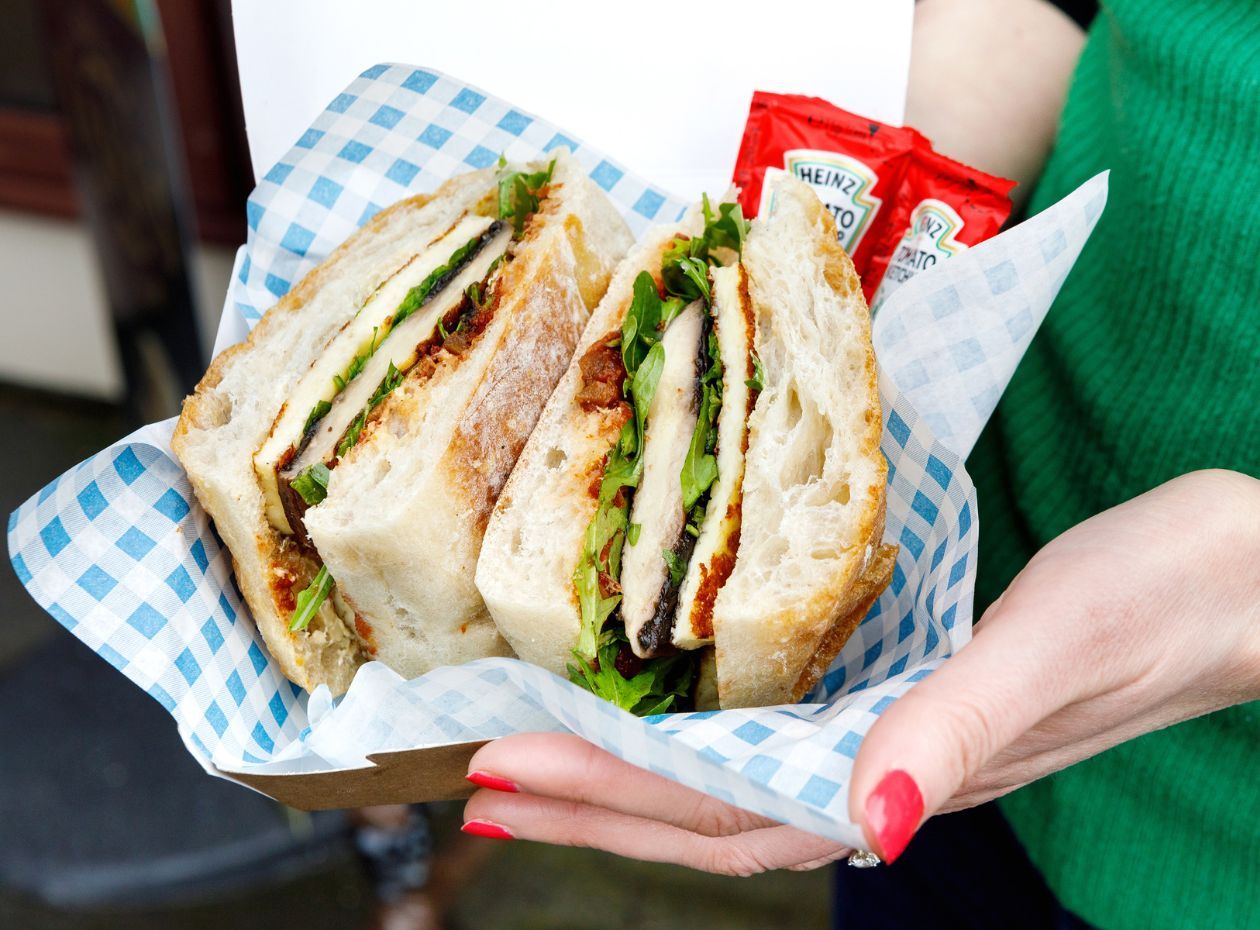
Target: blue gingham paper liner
{"x": 953, "y": 343}
{"x": 119, "y": 551}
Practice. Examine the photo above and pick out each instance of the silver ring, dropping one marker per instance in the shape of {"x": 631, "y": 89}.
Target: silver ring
{"x": 861, "y": 859}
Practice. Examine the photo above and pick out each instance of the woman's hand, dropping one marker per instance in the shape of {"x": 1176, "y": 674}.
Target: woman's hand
{"x": 1143, "y": 616}
{"x": 558, "y": 788}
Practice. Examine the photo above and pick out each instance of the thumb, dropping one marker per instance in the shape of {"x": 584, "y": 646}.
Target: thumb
{"x": 926, "y": 745}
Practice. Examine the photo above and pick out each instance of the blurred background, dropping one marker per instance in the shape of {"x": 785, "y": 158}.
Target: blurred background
{"x": 124, "y": 170}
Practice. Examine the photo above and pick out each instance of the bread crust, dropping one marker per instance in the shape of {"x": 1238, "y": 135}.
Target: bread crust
{"x": 330, "y": 651}
{"x": 786, "y": 640}
{"x": 534, "y": 537}
{"x": 415, "y": 584}
{"x": 254, "y": 546}
{"x": 769, "y": 650}
{"x": 864, "y": 594}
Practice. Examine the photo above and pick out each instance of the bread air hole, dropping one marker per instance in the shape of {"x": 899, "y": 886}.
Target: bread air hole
{"x": 555, "y": 458}
{"x": 806, "y": 456}
{"x": 794, "y": 409}
{"x": 773, "y": 552}
{"x": 381, "y": 468}
{"x": 218, "y": 411}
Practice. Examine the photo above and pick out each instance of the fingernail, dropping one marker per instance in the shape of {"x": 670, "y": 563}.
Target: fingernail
{"x": 493, "y": 782}
{"x": 488, "y": 829}
{"x": 894, "y": 810}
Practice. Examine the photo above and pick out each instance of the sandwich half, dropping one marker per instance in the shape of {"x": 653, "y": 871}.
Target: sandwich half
{"x": 351, "y": 449}
{"x": 697, "y": 519}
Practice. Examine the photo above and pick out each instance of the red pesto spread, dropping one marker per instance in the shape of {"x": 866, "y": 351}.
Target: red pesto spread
{"x": 603, "y": 374}
{"x": 282, "y": 586}
{"x": 364, "y": 629}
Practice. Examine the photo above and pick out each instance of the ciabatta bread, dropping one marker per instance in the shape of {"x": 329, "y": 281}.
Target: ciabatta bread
{"x": 814, "y": 479}
{"x": 400, "y": 528}
{"x": 534, "y": 538}
{"x": 810, "y": 559}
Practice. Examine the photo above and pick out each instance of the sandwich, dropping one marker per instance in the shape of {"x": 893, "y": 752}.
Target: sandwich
{"x": 697, "y": 519}
{"x": 351, "y": 449}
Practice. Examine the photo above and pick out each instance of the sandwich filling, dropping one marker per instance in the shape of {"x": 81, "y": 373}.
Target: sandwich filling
{"x": 663, "y": 514}
{"x": 431, "y": 307}
{"x": 347, "y": 354}
{"x": 716, "y": 522}
{"x": 649, "y": 594}
{"x": 381, "y": 369}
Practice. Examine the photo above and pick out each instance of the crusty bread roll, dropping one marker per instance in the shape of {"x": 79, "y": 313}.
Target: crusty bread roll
{"x": 400, "y": 528}
{"x": 534, "y": 537}
{"x": 810, "y": 560}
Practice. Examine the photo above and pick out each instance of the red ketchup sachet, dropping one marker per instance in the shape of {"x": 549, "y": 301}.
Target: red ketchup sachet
{"x": 943, "y": 207}
{"x": 855, "y": 165}
{"x": 899, "y": 206}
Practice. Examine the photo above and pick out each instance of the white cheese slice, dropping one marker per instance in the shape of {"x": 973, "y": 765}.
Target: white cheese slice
{"x": 401, "y": 349}
{"x": 371, "y": 323}
{"x": 714, "y": 553}
{"x": 658, "y": 501}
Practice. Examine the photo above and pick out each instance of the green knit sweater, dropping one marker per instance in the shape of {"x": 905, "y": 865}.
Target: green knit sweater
{"x": 1147, "y": 367}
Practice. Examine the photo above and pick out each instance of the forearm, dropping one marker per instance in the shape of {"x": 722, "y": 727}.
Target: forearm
{"x": 1242, "y": 493}
{"x": 988, "y": 79}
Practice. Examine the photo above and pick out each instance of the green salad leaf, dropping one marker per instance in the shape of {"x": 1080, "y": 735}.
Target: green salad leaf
{"x": 393, "y": 378}
{"x": 316, "y": 414}
{"x": 644, "y": 358}
{"x": 685, "y": 269}
{"x": 699, "y": 469}
{"x": 655, "y": 685}
{"x": 519, "y": 195}
{"x": 309, "y": 601}
{"x": 697, "y": 274}
{"x": 645, "y": 321}
{"x": 758, "y": 381}
{"x": 592, "y": 605}
{"x": 416, "y": 296}
{"x": 623, "y": 468}
{"x": 352, "y": 433}
{"x": 677, "y": 567}
{"x": 685, "y": 264}
{"x": 727, "y": 228}
{"x": 312, "y": 483}
{"x": 643, "y": 389}
{"x": 655, "y": 689}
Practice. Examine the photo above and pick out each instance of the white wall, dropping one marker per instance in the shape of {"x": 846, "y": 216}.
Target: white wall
{"x": 55, "y": 331}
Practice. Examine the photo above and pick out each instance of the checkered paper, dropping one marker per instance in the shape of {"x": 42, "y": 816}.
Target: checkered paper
{"x": 119, "y": 551}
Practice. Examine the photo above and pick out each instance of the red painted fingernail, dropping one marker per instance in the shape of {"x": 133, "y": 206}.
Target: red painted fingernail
{"x": 488, "y": 829}
{"x": 493, "y": 782}
{"x": 894, "y": 810}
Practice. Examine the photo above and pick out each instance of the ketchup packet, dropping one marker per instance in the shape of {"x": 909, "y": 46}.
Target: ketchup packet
{"x": 854, "y": 164}
{"x": 899, "y": 205}
{"x": 943, "y": 207}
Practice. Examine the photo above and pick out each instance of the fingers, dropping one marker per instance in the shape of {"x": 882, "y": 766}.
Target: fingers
{"x": 567, "y": 767}
{"x": 944, "y": 730}
{"x": 558, "y": 788}
{"x": 571, "y": 823}
{"x": 841, "y": 852}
